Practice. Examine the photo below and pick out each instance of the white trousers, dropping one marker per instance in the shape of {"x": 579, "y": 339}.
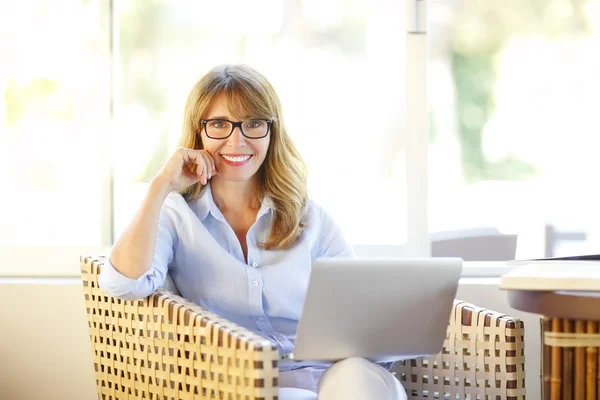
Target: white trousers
{"x": 350, "y": 379}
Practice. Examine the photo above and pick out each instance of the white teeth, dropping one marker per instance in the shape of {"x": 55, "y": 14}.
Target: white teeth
{"x": 235, "y": 159}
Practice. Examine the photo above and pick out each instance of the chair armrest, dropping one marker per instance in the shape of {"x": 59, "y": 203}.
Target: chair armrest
{"x": 483, "y": 355}
{"x": 164, "y": 345}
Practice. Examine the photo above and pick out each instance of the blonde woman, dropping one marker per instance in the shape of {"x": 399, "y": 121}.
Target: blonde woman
{"x": 228, "y": 216}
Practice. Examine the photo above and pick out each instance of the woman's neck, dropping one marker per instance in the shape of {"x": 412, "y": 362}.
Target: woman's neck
{"x": 235, "y": 197}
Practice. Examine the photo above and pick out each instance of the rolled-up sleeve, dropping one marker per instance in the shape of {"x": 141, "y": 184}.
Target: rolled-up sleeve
{"x": 118, "y": 285}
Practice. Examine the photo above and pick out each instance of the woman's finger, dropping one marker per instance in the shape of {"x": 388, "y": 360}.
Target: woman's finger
{"x": 198, "y": 168}
{"x": 209, "y": 165}
{"x": 193, "y": 156}
{"x": 210, "y": 162}
{"x": 205, "y": 165}
{"x": 190, "y": 156}
{"x": 204, "y": 178}
{"x": 213, "y": 164}
{"x": 203, "y": 161}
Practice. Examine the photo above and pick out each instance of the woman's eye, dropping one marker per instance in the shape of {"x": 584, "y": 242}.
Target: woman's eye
{"x": 254, "y": 124}
{"x": 217, "y": 124}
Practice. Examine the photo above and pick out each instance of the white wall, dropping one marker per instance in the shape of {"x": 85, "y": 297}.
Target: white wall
{"x": 45, "y": 351}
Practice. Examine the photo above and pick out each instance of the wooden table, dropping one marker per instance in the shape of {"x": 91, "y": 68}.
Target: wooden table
{"x": 567, "y": 295}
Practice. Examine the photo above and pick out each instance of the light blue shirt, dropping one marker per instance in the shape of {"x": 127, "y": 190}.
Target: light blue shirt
{"x": 200, "y": 250}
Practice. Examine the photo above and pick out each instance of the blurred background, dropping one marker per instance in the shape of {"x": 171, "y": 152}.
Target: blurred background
{"x": 91, "y": 103}
{"x": 92, "y": 95}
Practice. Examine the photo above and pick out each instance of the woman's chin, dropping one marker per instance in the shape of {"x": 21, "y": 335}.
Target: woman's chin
{"x": 233, "y": 176}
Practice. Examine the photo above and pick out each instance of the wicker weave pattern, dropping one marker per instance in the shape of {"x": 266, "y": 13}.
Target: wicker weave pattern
{"x": 482, "y": 358}
{"x": 164, "y": 347}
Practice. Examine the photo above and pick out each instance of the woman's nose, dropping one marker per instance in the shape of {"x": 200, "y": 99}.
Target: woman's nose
{"x": 236, "y": 138}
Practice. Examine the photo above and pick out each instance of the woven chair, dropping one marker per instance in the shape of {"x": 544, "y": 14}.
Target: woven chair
{"x": 483, "y": 357}
{"x": 164, "y": 347}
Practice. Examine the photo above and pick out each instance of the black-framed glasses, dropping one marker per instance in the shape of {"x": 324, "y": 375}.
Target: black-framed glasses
{"x": 256, "y": 128}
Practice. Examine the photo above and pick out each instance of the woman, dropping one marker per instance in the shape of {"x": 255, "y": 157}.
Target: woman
{"x": 228, "y": 216}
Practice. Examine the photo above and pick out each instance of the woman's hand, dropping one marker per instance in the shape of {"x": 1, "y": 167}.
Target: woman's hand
{"x": 187, "y": 167}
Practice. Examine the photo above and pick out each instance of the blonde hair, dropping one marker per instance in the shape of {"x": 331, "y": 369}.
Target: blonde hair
{"x": 283, "y": 175}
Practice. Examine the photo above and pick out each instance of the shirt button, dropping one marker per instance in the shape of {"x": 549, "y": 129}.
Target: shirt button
{"x": 260, "y": 318}
{"x": 254, "y": 264}
{"x": 255, "y": 283}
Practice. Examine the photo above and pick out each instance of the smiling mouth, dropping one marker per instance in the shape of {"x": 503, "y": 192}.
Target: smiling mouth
{"x": 236, "y": 158}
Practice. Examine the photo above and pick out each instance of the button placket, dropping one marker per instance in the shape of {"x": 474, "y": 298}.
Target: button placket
{"x": 253, "y": 237}
{"x": 253, "y": 256}
{"x": 255, "y": 283}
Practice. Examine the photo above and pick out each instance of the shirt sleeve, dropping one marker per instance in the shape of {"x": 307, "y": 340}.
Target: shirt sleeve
{"x": 118, "y": 285}
{"x": 332, "y": 242}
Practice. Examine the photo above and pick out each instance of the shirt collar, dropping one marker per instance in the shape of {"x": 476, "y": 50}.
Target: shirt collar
{"x": 205, "y": 205}
{"x": 265, "y": 207}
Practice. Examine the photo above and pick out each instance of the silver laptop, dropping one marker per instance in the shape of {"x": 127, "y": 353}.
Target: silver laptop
{"x": 378, "y": 309}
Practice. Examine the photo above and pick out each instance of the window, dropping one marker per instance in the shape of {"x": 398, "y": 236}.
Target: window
{"x": 514, "y": 98}
{"x": 54, "y": 123}
{"x": 512, "y": 90}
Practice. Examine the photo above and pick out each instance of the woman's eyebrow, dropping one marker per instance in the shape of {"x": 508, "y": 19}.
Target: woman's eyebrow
{"x": 245, "y": 118}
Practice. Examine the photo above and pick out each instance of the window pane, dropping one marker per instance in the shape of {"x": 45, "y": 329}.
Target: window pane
{"x": 514, "y": 97}
{"x": 337, "y": 66}
{"x": 54, "y": 80}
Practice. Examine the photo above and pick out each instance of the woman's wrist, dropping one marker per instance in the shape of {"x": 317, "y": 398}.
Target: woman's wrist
{"x": 160, "y": 187}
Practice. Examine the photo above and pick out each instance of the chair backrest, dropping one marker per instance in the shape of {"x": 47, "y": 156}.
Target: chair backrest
{"x": 165, "y": 347}
{"x": 483, "y": 357}
{"x": 476, "y": 248}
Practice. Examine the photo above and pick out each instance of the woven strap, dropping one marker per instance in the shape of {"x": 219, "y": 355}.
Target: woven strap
{"x": 561, "y": 339}
{"x": 482, "y": 357}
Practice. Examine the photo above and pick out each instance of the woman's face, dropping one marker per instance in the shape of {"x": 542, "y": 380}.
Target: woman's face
{"x": 237, "y": 158}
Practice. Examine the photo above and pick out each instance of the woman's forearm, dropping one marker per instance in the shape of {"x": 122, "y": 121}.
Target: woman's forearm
{"x": 133, "y": 252}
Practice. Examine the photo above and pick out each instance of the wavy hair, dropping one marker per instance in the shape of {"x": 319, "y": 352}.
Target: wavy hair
{"x": 283, "y": 174}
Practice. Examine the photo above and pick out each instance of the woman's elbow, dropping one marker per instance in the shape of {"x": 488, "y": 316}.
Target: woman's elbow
{"x": 127, "y": 291}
